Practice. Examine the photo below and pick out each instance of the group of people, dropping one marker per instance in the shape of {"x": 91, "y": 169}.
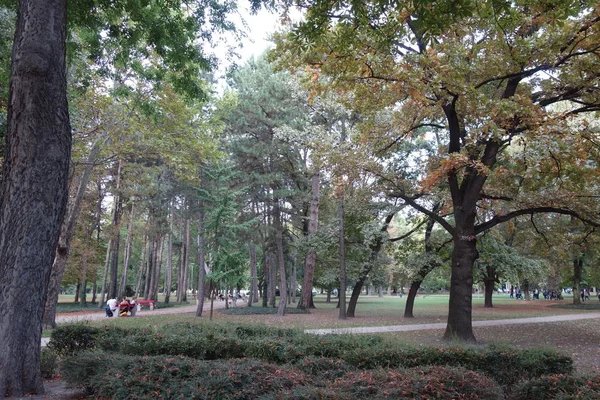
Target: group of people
{"x": 548, "y": 294}
{"x": 585, "y": 294}
{"x": 121, "y": 309}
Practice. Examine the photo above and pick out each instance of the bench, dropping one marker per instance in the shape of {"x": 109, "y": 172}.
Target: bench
{"x": 147, "y": 303}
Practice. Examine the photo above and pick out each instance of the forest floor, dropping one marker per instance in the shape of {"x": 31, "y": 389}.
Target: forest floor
{"x": 571, "y": 332}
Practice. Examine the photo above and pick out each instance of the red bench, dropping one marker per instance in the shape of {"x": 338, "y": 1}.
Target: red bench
{"x": 147, "y": 303}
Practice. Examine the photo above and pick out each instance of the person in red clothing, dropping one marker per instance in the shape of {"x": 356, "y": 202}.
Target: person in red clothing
{"x": 124, "y": 307}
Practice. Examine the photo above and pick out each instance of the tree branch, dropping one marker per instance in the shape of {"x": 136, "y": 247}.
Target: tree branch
{"x": 534, "y": 210}
{"x": 404, "y": 236}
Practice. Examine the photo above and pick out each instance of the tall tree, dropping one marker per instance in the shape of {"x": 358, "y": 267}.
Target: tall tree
{"x": 486, "y": 76}
{"x": 33, "y": 189}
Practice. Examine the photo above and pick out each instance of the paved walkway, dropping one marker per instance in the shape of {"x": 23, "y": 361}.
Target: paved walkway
{"x": 144, "y": 312}
{"x": 422, "y": 327}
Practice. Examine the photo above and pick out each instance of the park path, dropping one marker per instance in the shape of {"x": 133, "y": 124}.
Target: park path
{"x": 144, "y": 312}
{"x": 422, "y": 327}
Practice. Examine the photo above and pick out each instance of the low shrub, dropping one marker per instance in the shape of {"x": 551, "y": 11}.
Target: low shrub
{"x": 126, "y": 377}
{"x": 506, "y": 366}
{"x": 423, "y": 383}
{"x": 323, "y": 368}
{"x": 74, "y": 338}
{"x": 49, "y": 363}
{"x": 554, "y": 387}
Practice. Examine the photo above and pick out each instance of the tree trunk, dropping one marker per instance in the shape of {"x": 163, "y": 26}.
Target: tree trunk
{"x": 142, "y": 268}
{"x": 127, "y": 254}
{"x": 577, "y": 273}
{"x": 410, "y": 298}
{"x": 464, "y": 254}
{"x": 34, "y": 188}
{"x": 354, "y": 297}
{"x": 253, "y": 295}
{"x": 280, "y": 260}
{"x": 116, "y": 237}
{"x": 311, "y": 258}
{"x": 201, "y": 262}
{"x": 342, "y": 255}
{"x": 105, "y": 275}
{"x": 83, "y": 279}
{"x": 489, "y": 291}
{"x": 186, "y": 260}
{"x": 64, "y": 242}
{"x": 169, "y": 272}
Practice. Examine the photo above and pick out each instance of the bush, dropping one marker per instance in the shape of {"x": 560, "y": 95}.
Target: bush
{"x": 554, "y": 387}
{"x": 424, "y": 383}
{"x": 126, "y": 377}
{"x": 74, "y": 338}
{"x": 49, "y": 363}
{"x": 281, "y": 346}
{"x": 506, "y": 366}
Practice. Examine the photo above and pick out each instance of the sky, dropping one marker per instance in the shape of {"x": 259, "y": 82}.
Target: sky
{"x": 258, "y": 28}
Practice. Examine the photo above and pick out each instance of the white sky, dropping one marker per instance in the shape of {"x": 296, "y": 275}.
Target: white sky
{"x": 258, "y": 28}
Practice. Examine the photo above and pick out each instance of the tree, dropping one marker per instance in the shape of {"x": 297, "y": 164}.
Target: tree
{"x": 487, "y": 77}
{"x": 34, "y": 188}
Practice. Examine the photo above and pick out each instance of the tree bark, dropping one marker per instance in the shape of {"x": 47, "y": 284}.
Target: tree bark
{"x": 464, "y": 254}
{"x": 277, "y": 219}
{"x": 577, "y": 273}
{"x": 169, "y": 272}
{"x": 311, "y": 258}
{"x": 116, "y": 237}
{"x": 201, "y": 262}
{"x": 34, "y": 188}
{"x": 489, "y": 281}
{"x": 342, "y": 255}
{"x": 253, "y": 294}
{"x": 127, "y": 253}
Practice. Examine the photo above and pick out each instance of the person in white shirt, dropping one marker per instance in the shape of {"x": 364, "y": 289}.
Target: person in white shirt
{"x": 112, "y": 305}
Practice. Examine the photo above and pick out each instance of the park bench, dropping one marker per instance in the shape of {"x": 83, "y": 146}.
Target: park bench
{"x": 147, "y": 303}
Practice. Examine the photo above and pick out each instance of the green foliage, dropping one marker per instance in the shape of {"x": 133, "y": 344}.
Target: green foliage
{"x": 436, "y": 382}
{"x": 507, "y": 366}
{"x": 75, "y": 338}
{"x": 555, "y": 387}
{"x": 119, "y": 376}
{"x": 127, "y": 377}
{"x": 49, "y": 363}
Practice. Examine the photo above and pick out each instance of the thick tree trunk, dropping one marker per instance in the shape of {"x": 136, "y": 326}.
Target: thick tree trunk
{"x": 311, "y": 258}
{"x": 464, "y": 254}
{"x": 34, "y": 188}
